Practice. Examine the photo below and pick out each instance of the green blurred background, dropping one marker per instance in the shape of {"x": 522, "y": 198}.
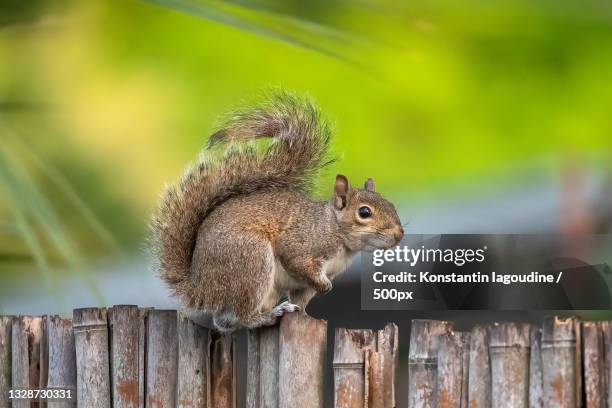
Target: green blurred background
{"x": 485, "y": 115}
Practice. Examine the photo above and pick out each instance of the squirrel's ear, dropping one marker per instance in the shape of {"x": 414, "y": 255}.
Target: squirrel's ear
{"x": 341, "y": 190}
{"x": 369, "y": 185}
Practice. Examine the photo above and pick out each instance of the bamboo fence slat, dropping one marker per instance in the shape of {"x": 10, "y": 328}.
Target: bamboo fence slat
{"x": 594, "y": 363}
{"x": 161, "y": 359}
{"x": 27, "y": 334}
{"x": 606, "y": 328}
{"x": 452, "y": 369}
{"x": 559, "y": 371}
{"x": 222, "y": 373}
{"x": 535, "y": 369}
{"x": 509, "y": 345}
{"x": 423, "y": 362}
{"x": 124, "y": 327}
{"x": 479, "y": 372}
{"x": 6, "y": 327}
{"x": 92, "y": 357}
{"x": 302, "y": 356}
{"x": 62, "y": 361}
{"x": 262, "y": 367}
{"x": 349, "y": 364}
{"x": 381, "y": 368}
{"x": 193, "y": 364}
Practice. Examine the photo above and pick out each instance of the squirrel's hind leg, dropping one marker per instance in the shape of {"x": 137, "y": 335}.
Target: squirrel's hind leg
{"x": 200, "y": 317}
{"x": 259, "y": 319}
{"x": 269, "y": 317}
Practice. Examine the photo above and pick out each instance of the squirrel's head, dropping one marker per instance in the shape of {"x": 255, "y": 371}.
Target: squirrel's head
{"x": 367, "y": 220}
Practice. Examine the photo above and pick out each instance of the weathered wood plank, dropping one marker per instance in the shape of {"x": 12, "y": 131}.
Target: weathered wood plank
{"x": 255, "y": 388}
{"x": 143, "y": 314}
{"x": 606, "y": 328}
{"x": 43, "y": 363}
{"x": 193, "y": 364}
{"x": 535, "y": 369}
{"x": 92, "y": 357}
{"x": 222, "y": 372}
{"x": 349, "y": 366}
{"x": 302, "y": 349}
{"x": 162, "y": 358}
{"x": 27, "y": 332}
{"x": 594, "y": 360}
{"x": 380, "y": 368}
{"x": 465, "y": 372}
{"x": 423, "y": 362}
{"x": 262, "y": 367}
{"x": 20, "y": 358}
{"x": 380, "y": 375}
{"x": 452, "y": 349}
{"x": 509, "y": 352}
{"x": 364, "y": 367}
{"x": 559, "y": 363}
{"x": 6, "y": 327}
{"x": 578, "y": 362}
{"x": 479, "y": 372}
{"x": 62, "y": 361}
{"x": 124, "y": 328}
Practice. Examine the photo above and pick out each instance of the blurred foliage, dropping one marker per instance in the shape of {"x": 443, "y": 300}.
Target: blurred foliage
{"x": 102, "y": 102}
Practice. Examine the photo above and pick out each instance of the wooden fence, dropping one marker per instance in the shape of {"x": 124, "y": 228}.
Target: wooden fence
{"x": 564, "y": 363}
{"x": 130, "y": 357}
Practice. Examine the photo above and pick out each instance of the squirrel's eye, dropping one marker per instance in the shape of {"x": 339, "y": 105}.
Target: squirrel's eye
{"x": 365, "y": 212}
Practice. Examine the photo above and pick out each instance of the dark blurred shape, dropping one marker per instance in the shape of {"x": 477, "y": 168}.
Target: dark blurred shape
{"x": 19, "y": 12}
{"x": 11, "y": 106}
{"x": 603, "y": 207}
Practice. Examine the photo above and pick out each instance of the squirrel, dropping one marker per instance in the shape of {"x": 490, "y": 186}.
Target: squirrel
{"x": 235, "y": 237}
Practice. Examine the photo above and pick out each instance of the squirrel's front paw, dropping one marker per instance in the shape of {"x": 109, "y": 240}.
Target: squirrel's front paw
{"x": 324, "y": 285}
{"x": 285, "y": 307}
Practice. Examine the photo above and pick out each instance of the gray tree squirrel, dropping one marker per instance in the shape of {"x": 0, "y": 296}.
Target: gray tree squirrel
{"x": 236, "y": 236}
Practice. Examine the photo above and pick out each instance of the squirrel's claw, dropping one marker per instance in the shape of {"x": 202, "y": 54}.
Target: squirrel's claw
{"x": 285, "y": 307}
{"x": 324, "y": 286}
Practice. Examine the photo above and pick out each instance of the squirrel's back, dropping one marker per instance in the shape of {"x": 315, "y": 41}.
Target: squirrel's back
{"x": 298, "y": 152}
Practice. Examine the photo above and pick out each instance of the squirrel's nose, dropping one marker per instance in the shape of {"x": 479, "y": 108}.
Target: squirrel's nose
{"x": 398, "y": 234}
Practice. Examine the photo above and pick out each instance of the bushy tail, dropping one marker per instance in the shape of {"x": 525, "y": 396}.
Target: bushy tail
{"x": 298, "y": 152}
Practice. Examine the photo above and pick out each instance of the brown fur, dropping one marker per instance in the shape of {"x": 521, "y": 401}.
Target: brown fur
{"x": 270, "y": 230}
{"x": 236, "y": 236}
